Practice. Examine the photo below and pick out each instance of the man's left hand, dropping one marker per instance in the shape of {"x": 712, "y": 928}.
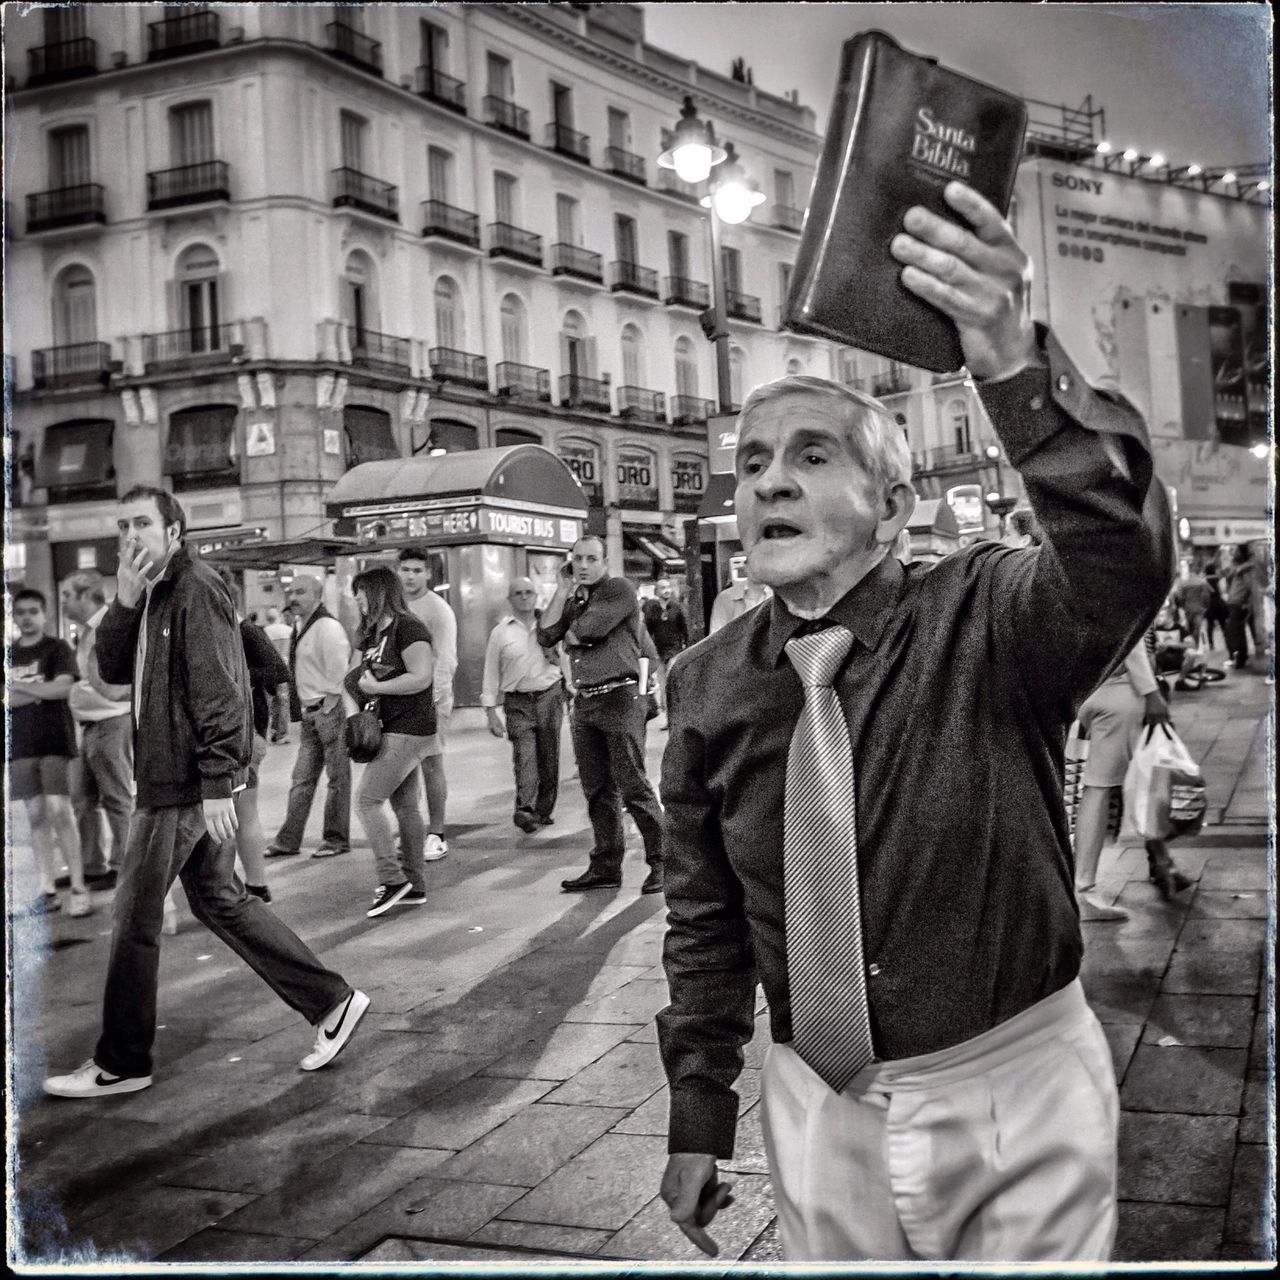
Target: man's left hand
{"x": 980, "y": 279}
{"x": 1156, "y": 710}
{"x": 220, "y": 818}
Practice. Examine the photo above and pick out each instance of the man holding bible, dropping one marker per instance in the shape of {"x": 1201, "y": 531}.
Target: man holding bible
{"x": 863, "y": 795}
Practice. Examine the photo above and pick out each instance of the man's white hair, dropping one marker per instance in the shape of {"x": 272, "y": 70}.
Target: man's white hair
{"x": 878, "y": 441}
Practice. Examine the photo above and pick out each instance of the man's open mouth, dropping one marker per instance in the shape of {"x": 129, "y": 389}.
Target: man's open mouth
{"x": 773, "y": 529}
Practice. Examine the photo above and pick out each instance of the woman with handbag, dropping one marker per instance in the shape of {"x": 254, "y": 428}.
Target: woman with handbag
{"x": 392, "y": 681}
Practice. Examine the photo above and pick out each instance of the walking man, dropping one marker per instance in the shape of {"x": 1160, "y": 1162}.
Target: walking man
{"x": 520, "y": 671}
{"x": 103, "y": 773}
{"x": 598, "y": 619}
{"x": 863, "y": 791}
{"x": 172, "y": 633}
{"x": 434, "y": 610}
{"x": 665, "y": 618}
{"x": 318, "y": 661}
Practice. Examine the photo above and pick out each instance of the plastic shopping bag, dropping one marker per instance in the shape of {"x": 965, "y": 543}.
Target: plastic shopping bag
{"x": 1164, "y": 791}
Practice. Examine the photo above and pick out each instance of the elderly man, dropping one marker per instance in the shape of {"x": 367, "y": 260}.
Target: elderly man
{"x": 863, "y": 792}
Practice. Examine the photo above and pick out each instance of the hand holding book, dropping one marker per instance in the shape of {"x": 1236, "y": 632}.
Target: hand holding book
{"x": 980, "y": 278}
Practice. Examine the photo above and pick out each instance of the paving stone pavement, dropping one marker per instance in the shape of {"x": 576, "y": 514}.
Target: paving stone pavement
{"x": 504, "y": 1103}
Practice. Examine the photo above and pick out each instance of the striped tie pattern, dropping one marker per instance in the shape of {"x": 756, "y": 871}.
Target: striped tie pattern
{"x": 830, "y": 1018}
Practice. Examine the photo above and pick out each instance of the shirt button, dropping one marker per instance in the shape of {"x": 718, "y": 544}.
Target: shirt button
{"x": 1064, "y": 382}
{"x": 874, "y": 970}
{"x": 1037, "y": 403}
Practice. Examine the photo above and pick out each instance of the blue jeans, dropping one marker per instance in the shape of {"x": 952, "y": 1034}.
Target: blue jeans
{"x": 321, "y": 749}
{"x": 533, "y": 725}
{"x": 393, "y": 775}
{"x": 166, "y": 844}
{"x": 102, "y": 779}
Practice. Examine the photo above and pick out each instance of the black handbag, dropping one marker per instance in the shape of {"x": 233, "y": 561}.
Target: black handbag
{"x": 362, "y": 734}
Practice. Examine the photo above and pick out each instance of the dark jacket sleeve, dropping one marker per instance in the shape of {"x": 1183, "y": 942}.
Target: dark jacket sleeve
{"x": 116, "y": 643}
{"x": 613, "y": 603}
{"x": 707, "y": 952}
{"x": 217, "y": 682}
{"x": 1069, "y": 610}
{"x": 267, "y": 669}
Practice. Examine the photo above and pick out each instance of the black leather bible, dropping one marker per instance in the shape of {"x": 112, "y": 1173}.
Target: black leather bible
{"x": 901, "y": 128}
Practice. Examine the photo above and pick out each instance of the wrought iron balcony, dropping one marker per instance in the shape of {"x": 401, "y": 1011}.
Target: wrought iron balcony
{"x": 570, "y": 260}
{"x": 66, "y": 60}
{"x": 742, "y": 306}
{"x": 577, "y": 392}
{"x": 516, "y": 380}
{"x": 948, "y": 457}
{"x": 189, "y": 184}
{"x": 507, "y": 241}
{"x": 642, "y": 405}
{"x": 376, "y": 350}
{"x": 625, "y": 164}
{"x": 79, "y": 364}
{"x": 506, "y": 116}
{"x": 66, "y": 207}
{"x": 569, "y": 142}
{"x": 435, "y": 86}
{"x": 787, "y": 218}
{"x": 889, "y": 384}
{"x": 440, "y": 219}
{"x": 461, "y": 367}
{"x": 691, "y": 411}
{"x": 673, "y": 186}
{"x": 196, "y": 344}
{"x": 355, "y": 190}
{"x": 631, "y": 277}
{"x": 354, "y": 47}
{"x": 680, "y": 291}
{"x": 184, "y": 33}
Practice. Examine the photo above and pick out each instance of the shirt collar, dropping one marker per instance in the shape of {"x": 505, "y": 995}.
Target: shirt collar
{"x": 864, "y": 610}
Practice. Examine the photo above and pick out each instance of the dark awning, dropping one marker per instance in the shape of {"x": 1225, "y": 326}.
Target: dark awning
{"x": 651, "y": 543}
{"x": 75, "y": 454}
{"x": 272, "y": 554}
{"x": 717, "y": 502}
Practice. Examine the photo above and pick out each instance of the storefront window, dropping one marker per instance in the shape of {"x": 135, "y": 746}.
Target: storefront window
{"x": 637, "y": 478}
{"x": 201, "y": 452}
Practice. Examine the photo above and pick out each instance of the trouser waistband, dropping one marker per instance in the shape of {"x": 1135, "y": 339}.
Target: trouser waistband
{"x": 1012, "y": 1038}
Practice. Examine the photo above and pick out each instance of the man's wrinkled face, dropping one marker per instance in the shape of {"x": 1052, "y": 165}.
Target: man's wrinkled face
{"x": 588, "y": 562}
{"x": 805, "y": 504}
{"x": 413, "y": 578}
{"x": 28, "y": 617}
{"x": 140, "y": 525}
{"x": 522, "y": 596}
{"x": 303, "y": 596}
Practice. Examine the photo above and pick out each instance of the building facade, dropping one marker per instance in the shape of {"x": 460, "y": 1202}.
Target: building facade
{"x": 251, "y": 247}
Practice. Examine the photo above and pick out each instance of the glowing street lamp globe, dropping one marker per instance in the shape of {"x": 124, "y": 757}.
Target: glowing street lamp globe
{"x": 693, "y": 152}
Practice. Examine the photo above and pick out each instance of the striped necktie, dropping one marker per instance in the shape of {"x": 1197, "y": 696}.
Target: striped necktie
{"x": 830, "y": 1018}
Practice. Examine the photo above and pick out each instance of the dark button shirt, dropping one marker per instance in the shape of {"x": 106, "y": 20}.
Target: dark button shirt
{"x": 667, "y": 625}
{"x": 605, "y": 621}
{"x": 958, "y": 691}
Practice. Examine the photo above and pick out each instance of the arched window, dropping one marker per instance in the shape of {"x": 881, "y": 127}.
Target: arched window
{"x": 448, "y": 314}
{"x": 75, "y": 309}
{"x": 199, "y": 303}
{"x": 686, "y": 368}
{"x": 511, "y": 318}
{"x": 359, "y": 296}
{"x": 575, "y": 346}
{"x": 451, "y": 436}
{"x": 958, "y": 417}
{"x": 794, "y": 367}
{"x": 515, "y": 435}
{"x": 632, "y": 357}
{"x": 737, "y": 375}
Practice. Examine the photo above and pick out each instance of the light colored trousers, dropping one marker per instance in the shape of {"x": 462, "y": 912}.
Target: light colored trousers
{"x": 1000, "y": 1149}
{"x": 393, "y": 775}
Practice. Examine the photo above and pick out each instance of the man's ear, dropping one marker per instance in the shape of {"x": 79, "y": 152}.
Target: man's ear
{"x": 899, "y": 502}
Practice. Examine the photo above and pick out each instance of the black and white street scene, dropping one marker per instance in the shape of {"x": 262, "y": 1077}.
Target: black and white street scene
{"x": 639, "y": 636}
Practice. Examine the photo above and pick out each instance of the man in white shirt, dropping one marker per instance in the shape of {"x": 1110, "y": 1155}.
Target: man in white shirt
{"x": 415, "y": 577}
{"x": 736, "y": 599}
{"x": 518, "y": 669}
{"x": 281, "y": 635}
{"x": 319, "y": 657}
{"x": 102, "y": 775}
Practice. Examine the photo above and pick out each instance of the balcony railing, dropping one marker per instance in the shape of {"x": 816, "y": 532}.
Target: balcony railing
{"x": 523, "y": 380}
{"x": 78, "y": 364}
{"x": 641, "y": 404}
{"x": 66, "y": 207}
{"x": 189, "y": 184}
{"x": 690, "y": 411}
{"x": 440, "y": 219}
{"x": 673, "y": 186}
{"x": 197, "y": 344}
{"x": 182, "y": 34}
{"x": 435, "y": 86}
{"x": 507, "y": 241}
{"x": 889, "y": 384}
{"x": 48, "y": 63}
{"x": 569, "y": 142}
{"x": 680, "y": 291}
{"x": 376, "y": 350}
{"x": 354, "y": 47}
{"x": 625, "y": 164}
{"x": 947, "y": 457}
{"x": 787, "y": 218}
{"x": 506, "y": 116}
{"x": 631, "y": 277}
{"x": 577, "y": 392}
{"x": 460, "y": 367}
{"x": 355, "y": 190}
{"x": 570, "y": 260}
{"x": 742, "y": 306}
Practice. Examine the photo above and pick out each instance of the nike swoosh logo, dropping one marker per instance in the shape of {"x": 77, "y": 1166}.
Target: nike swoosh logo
{"x": 102, "y": 1081}
{"x": 333, "y": 1035}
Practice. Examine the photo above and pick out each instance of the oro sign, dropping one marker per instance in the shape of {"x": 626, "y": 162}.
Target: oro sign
{"x": 637, "y": 478}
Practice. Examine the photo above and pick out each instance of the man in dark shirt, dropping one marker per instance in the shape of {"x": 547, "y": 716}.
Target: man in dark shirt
{"x": 598, "y": 619}
{"x": 978, "y": 1118}
{"x": 665, "y": 618}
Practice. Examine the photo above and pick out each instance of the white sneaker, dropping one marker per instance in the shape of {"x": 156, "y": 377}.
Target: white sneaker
{"x": 81, "y": 904}
{"x": 1093, "y": 908}
{"x": 437, "y": 848}
{"x": 91, "y": 1081}
{"x": 334, "y": 1032}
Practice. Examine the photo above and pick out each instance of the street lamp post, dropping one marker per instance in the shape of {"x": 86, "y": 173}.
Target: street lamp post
{"x": 997, "y": 502}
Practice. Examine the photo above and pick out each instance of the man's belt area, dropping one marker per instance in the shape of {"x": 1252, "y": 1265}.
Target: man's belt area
{"x": 595, "y": 690}
{"x": 313, "y": 706}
